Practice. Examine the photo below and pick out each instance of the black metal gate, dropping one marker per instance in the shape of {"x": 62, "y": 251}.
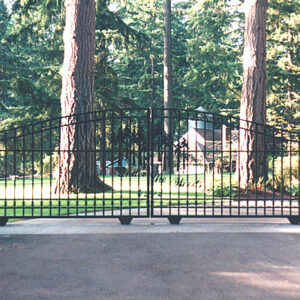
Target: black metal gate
{"x": 157, "y": 163}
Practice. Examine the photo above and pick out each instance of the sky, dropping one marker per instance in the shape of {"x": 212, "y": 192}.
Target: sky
{"x": 8, "y": 3}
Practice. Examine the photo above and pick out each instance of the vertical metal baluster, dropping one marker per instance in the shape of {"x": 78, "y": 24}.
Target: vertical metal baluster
{"x": 282, "y": 178}
{"x": 15, "y": 170}
{"x": 290, "y": 154}
{"x": 102, "y": 140}
{"x": 112, "y": 160}
{"x": 239, "y": 152}
{"x": 120, "y": 163}
{"x": 140, "y": 162}
{"x": 273, "y": 172}
{"x": 249, "y": 127}
{"x": 222, "y": 165}
{"x": 94, "y": 126}
{"x": 69, "y": 156}
{"x": 298, "y": 174}
{"x": 42, "y": 166}
{"x": 86, "y": 152}
{"x": 50, "y": 175}
{"x": 149, "y": 163}
{"x": 265, "y": 157}
{"x": 24, "y": 172}
{"x": 6, "y": 172}
{"x": 257, "y": 155}
{"x": 170, "y": 156}
{"x": 129, "y": 158}
{"x": 213, "y": 164}
{"x": 163, "y": 151}
{"x": 32, "y": 171}
{"x": 205, "y": 162}
{"x": 150, "y": 154}
{"x": 59, "y": 163}
{"x": 230, "y": 164}
{"x": 178, "y": 163}
{"x": 77, "y": 152}
{"x": 196, "y": 165}
{"x": 102, "y": 158}
{"x": 188, "y": 167}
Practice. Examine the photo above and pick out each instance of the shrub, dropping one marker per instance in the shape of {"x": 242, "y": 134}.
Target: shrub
{"x": 220, "y": 188}
{"x": 50, "y": 163}
{"x": 289, "y": 165}
{"x": 286, "y": 174}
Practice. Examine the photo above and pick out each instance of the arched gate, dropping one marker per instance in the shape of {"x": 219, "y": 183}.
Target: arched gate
{"x": 154, "y": 163}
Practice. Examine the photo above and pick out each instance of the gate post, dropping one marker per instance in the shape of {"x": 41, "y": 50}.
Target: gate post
{"x": 124, "y": 220}
{"x": 174, "y": 220}
{"x": 150, "y": 157}
{"x": 149, "y": 161}
{"x": 3, "y": 221}
{"x": 295, "y": 220}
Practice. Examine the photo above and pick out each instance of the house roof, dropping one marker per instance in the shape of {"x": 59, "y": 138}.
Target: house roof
{"x": 199, "y": 139}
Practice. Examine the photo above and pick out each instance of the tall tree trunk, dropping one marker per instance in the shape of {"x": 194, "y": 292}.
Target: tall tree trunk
{"x": 168, "y": 100}
{"x": 152, "y": 80}
{"x": 290, "y": 58}
{"x": 102, "y": 74}
{"x": 252, "y": 163}
{"x": 77, "y": 160}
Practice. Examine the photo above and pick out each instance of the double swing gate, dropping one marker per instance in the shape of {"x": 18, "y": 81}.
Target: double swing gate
{"x": 149, "y": 163}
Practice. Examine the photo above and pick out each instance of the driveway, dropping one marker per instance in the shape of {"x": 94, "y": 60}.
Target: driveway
{"x": 150, "y": 259}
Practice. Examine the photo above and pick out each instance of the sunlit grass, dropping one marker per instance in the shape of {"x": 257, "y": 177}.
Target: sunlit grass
{"x": 37, "y": 197}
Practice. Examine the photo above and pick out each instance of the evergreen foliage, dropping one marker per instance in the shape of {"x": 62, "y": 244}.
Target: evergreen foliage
{"x": 207, "y": 43}
{"x": 214, "y": 55}
{"x": 283, "y": 63}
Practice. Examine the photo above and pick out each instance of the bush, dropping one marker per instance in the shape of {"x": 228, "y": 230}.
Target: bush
{"x": 50, "y": 163}
{"x": 286, "y": 174}
{"x": 288, "y": 164}
{"x": 220, "y": 188}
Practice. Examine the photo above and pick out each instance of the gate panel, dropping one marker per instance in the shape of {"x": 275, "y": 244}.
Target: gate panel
{"x": 156, "y": 163}
{"x": 124, "y": 150}
{"x": 205, "y": 153}
{"x": 31, "y": 164}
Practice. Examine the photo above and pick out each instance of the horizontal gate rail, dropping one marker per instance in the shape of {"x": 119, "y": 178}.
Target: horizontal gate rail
{"x": 149, "y": 163}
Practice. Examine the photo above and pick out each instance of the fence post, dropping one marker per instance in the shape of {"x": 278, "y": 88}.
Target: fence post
{"x": 3, "y": 221}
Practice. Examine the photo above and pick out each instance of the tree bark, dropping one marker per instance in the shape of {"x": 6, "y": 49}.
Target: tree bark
{"x": 152, "y": 80}
{"x": 168, "y": 100}
{"x": 102, "y": 65}
{"x": 77, "y": 159}
{"x": 252, "y": 163}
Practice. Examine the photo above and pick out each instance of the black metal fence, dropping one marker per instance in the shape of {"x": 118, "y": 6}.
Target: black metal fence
{"x": 149, "y": 163}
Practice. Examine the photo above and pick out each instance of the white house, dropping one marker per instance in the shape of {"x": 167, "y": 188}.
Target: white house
{"x": 203, "y": 146}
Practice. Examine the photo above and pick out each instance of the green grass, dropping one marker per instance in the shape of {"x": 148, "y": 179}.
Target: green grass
{"x": 35, "y": 197}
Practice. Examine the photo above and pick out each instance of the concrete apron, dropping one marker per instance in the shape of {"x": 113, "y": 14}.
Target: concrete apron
{"x": 154, "y": 225}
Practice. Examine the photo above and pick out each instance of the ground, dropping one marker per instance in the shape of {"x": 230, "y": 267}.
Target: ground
{"x": 23, "y": 197}
{"x": 150, "y": 259}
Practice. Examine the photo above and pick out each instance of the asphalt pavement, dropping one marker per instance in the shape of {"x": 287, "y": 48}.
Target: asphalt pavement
{"x": 150, "y": 259}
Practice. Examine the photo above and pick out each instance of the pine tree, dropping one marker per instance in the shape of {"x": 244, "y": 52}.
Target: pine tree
{"x": 34, "y": 56}
{"x": 283, "y": 63}
{"x": 214, "y": 55}
{"x": 4, "y": 58}
{"x": 252, "y": 164}
{"x": 77, "y": 166}
{"x": 168, "y": 100}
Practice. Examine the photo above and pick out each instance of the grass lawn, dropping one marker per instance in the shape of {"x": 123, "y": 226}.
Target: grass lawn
{"x": 35, "y": 197}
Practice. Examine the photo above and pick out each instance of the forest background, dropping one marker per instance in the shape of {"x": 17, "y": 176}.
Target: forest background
{"x": 207, "y": 45}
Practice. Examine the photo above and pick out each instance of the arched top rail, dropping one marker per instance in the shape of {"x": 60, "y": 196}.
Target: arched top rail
{"x": 109, "y": 114}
